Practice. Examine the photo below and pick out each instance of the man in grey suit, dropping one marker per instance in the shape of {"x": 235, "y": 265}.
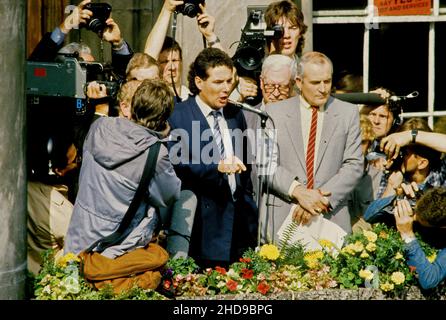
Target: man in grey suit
{"x": 319, "y": 152}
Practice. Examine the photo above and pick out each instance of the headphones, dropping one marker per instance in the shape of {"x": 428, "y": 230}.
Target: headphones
{"x": 396, "y": 109}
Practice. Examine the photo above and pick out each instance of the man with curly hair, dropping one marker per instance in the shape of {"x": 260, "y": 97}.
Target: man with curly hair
{"x": 429, "y": 213}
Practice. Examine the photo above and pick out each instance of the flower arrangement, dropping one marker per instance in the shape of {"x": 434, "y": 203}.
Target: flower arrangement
{"x": 371, "y": 259}
{"x": 60, "y": 279}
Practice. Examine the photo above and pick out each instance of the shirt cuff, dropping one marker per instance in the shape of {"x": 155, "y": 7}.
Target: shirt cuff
{"x": 57, "y": 36}
{"x": 123, "y": 50}
{"x": 294, "y": 184}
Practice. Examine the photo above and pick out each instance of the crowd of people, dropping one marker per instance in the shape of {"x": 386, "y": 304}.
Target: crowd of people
{"x": 327, "y": 161}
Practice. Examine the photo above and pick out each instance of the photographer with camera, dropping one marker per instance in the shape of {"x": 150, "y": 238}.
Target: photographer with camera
{"x": 94, "y": 17}
{"x": 429, "y": 213}
{"x": 287, "y": 21}
{"x": 415, "y": 168}
{"x": 167, "y": 50}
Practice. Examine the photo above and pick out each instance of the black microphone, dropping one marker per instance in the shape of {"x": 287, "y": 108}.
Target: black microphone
{"x": 371, "y": 98}
{"x": 368, "y": 98}
{"x": 400, "y": 98}
{"x": 247, "y": 107}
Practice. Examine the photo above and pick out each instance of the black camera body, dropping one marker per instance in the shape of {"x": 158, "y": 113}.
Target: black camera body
{"x": 190, "y": 8}
{"x": 251, "y": 50}
{"x": 101, "y": 12}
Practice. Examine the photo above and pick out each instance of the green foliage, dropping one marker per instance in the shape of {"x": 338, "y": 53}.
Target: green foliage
{"x": 291, "y": 253}
{"x": 182, "y": 266}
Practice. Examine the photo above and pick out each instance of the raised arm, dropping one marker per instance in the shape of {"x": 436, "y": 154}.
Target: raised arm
{"x": 155, "y": 39}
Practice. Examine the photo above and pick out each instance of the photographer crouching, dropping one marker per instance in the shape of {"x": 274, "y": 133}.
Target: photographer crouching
{"x": 415, "y": 166}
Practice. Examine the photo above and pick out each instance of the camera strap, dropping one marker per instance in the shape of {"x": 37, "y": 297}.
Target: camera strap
{"x": 95, "y": 102}
{"x": 173, "y": 34}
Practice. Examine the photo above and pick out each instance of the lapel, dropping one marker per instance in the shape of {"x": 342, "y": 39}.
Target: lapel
{"x": 292, "y": 123}
{"x": 328, "y": 127}
{"x": 197, "y": 115}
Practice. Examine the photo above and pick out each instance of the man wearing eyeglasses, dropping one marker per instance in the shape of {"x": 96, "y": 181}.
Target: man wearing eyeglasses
{"x": 319, "y": 150}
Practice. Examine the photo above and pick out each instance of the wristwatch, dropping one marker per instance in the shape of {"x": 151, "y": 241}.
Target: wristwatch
{"x": 414, "y": 133}
{"x": 212, "y": 43}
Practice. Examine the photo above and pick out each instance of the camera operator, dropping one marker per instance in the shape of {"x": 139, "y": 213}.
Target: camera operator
{"x": 167, "y": 50}
{"x": 415, "y": 168}
{"x": 48, "y": 48}
{"x": 289, "y": 16}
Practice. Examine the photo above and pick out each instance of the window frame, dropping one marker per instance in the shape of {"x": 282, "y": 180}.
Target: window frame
{"x": 368, "y": 16}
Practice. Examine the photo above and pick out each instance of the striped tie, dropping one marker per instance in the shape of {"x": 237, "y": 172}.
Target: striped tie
{"x": 217, "y": 133}
{"x": 311, "y": 148}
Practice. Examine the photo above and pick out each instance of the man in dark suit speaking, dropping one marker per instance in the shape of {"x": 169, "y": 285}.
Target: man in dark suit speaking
{"x": 319, "y": 150}
{"x": 209, "y": 154}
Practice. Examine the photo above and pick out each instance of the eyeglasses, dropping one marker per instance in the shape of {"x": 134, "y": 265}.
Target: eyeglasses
{"x": 282, "y": 88}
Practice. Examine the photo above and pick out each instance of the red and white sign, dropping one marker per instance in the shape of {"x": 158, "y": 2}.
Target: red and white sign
{"x": 403, "y": 7}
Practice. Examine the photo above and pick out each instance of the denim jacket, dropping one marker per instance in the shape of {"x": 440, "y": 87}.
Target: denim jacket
{"x": 429, "y": 274}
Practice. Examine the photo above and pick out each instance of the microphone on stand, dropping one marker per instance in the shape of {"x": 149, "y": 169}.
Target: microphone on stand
{"x": 249, "y": 108}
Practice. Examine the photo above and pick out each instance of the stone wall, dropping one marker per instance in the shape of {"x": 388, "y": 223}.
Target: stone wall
{"x": 412, "y": 293}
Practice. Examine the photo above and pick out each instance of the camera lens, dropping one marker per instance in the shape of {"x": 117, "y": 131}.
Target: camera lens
{"x": 96, "y": 25}
{"x": 190, "y": 10}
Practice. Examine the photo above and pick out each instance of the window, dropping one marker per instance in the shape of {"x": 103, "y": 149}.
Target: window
{"x": 401, "y": 53}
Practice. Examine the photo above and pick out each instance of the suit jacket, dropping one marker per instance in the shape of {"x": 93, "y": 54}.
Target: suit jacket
{"x": 338, "y": 167}
{"x": 224, "y": 226}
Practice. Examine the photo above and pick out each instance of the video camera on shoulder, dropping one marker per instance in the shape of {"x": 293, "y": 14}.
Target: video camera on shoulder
{"x": 101, "y": 12}
{"x": 190, "y": 8}
{"x": 250, "y": 52}
{"x": 251, "y": 49}
{"x": 67, "y": 78}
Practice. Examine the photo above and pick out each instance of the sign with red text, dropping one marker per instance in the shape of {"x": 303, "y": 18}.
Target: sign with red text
{"x": 403, "y": 7}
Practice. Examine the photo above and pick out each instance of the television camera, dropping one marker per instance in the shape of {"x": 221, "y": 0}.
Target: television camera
{"x": 250, "y": 52}
{"x": 66, "y": 81}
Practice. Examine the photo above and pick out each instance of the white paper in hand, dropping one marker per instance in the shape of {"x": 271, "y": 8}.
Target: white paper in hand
{"x": 309, "y": 235}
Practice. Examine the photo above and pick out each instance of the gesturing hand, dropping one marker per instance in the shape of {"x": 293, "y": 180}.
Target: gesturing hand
{"x": 231, "y": 165}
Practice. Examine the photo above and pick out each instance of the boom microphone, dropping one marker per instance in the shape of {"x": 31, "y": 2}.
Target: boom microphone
{"x": 247, "y": 107}
{"x": 369, "y": 98}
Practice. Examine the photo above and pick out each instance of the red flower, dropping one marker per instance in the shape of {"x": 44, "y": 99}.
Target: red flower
{"x": 412, "y": 269}
{"x": 166, "y": 284}
{"x": 247, "y": 273}
{"x": 220, "y": 270}
{"x": 245, "y": 260}
{"x": 263, "y": 287}
{"x": 231, "y": 285}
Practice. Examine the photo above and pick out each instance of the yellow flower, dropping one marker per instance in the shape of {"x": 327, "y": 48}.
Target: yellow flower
{"x": 370, "y": 235}
{"x": 326, "y": 243}
{"x": 63, "y": 261}
{"x": 358, "y": 246}
{"x": 432, "y": 257}
{"x": 366, "y": 274}
{"x": 387, "y": 286}
{"x": 397, "y": 277}
{"x": 370, "y": 247}
{"x": 364, "y": 254}
{"x": 383, "y": 235}
{"x": 348, "y": 249}
{"x": 312, "y": 258}
{"x": 269, "y": 251}
{"x": 399, "y": 256}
